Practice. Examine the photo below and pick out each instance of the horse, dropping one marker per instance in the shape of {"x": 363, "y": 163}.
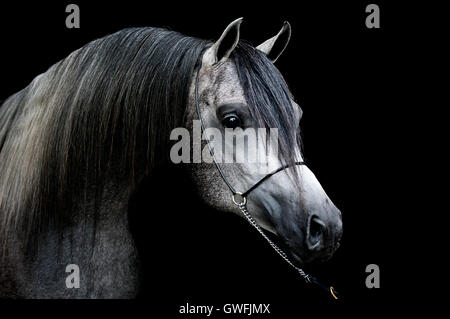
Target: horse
{"x": 78, "y": 140}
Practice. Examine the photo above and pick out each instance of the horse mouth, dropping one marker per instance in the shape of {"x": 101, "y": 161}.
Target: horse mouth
{"x": 300, "y": 258}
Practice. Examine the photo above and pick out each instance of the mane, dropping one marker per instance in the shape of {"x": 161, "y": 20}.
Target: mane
{"x": 269, "y": 100}
{"x": 108, "y": 108}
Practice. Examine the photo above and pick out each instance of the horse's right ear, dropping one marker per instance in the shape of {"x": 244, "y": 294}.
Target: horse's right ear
{"x": 276, "y": 45}
{"x": 222, "y": 48}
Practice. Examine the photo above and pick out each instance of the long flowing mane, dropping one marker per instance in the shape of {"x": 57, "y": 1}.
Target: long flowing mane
{"x": 108, "y": 110}
{"x": 89, "y": 115}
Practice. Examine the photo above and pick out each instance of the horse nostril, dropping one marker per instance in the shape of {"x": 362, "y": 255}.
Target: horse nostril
{"x": 314, "y": 236}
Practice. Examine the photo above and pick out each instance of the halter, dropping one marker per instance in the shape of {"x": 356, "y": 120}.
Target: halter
{"x": 240, "y": 200}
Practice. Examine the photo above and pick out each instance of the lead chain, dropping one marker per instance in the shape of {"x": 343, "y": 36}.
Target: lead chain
{"x": 243, "y": 207}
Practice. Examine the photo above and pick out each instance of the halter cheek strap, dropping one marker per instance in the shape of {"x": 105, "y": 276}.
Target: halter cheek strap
{"x": 240, "y": 200}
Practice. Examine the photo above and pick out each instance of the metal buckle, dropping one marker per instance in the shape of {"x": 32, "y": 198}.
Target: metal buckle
{"x": 332, "y": 292}
{"x": 243, "y": 199}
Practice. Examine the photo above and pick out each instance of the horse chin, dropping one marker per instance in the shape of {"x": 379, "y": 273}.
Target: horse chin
{"x": 297, "y": 260}
{"x": 300, "y": 258}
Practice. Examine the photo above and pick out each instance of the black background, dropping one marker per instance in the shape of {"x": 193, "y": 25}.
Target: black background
{"x": 347, "y": 80}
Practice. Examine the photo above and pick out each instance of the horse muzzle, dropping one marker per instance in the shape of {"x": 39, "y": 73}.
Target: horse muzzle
{"x": 321, "y": 238}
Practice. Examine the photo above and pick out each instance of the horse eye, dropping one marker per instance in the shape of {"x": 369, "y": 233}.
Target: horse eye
{"x": 231, "y": 121}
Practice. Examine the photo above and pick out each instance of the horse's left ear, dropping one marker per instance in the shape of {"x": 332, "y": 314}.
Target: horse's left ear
{"x": 276, "y": 45}
{"x": 223, "y": 47}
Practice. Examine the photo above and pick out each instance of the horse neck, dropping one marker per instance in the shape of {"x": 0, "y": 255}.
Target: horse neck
{"x": 97, "y": 240}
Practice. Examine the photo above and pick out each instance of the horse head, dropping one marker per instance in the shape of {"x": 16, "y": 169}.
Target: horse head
{"x": 238, "y": 92}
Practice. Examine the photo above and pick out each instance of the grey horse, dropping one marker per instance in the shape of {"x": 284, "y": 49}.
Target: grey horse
{"x": 76, "y": 142}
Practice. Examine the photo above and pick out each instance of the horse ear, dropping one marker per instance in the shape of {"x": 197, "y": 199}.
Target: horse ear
{"x": 276, "y": 45}
{"x": 223, "y": 47}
